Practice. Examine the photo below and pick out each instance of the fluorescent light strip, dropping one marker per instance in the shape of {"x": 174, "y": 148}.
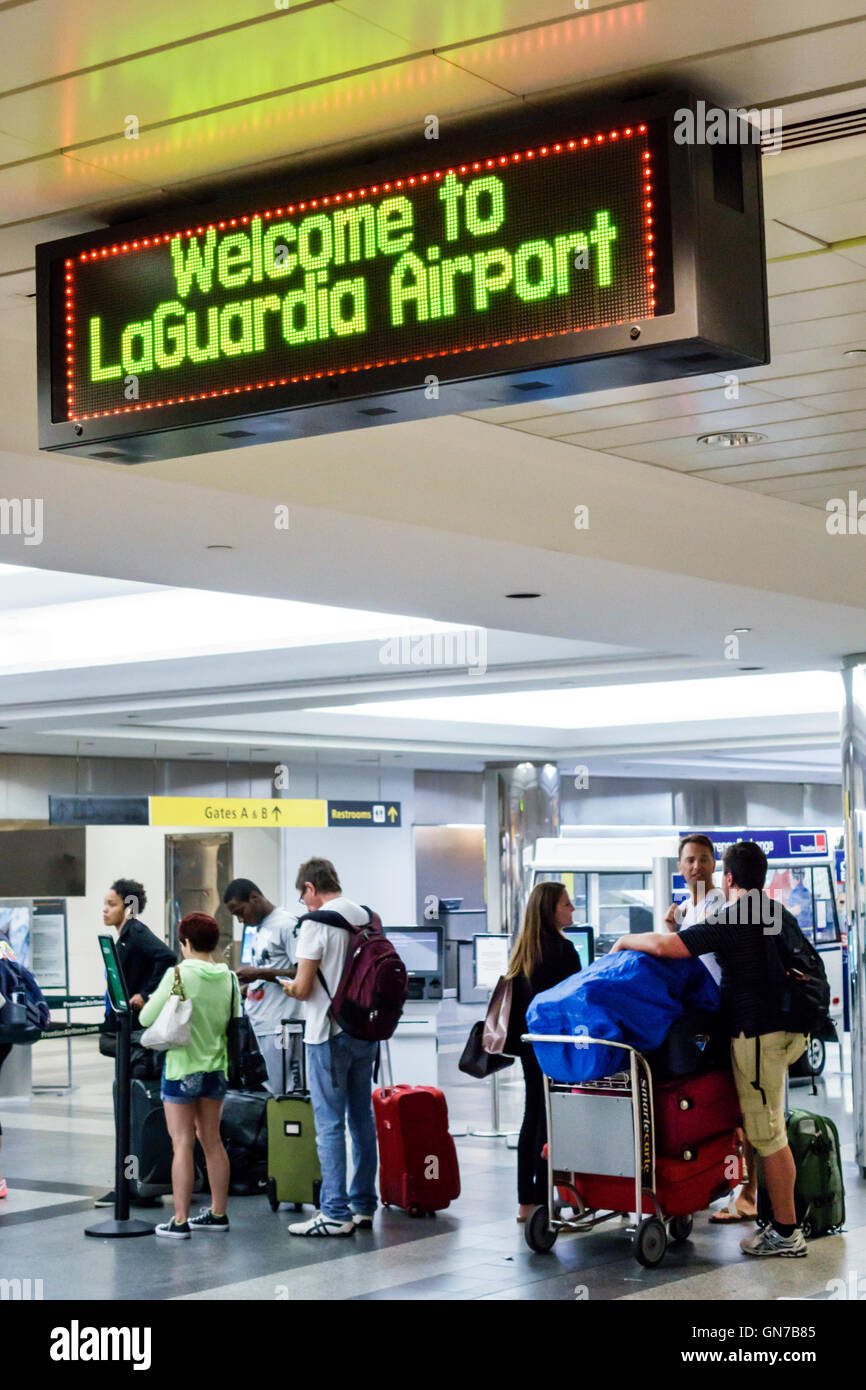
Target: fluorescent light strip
{"x": 661, "y": 702}
{"x": 170, "y": 623}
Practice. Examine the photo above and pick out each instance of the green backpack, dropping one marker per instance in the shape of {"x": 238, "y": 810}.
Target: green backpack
{"x": 819, "y": 1193}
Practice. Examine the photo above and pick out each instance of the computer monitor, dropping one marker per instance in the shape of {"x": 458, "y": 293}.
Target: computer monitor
{"x": 583, "y": 941}
{"x": 421, "y": 951}
{"x": 247, "y": 944}
{"x": 489, "y": 959}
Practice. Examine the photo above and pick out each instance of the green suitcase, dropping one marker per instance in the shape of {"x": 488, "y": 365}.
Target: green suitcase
{"x": 294, "y": 1174}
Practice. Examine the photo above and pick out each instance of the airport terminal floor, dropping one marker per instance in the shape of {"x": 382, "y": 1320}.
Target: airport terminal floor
{"x": 472, "y": 1251}
{"x": 432, "y": 677}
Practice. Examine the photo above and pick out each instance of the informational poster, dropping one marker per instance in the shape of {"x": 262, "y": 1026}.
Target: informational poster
{"x": 491, "y": 960}
{"x": 15, "y": 928}
{"x": 48, "y": 943}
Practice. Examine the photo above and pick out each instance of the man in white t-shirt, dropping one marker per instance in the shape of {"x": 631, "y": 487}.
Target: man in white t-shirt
{"x": 697, "y": 863}
{"x": 339, "y": 1067}
{"x": 274, "y": 933}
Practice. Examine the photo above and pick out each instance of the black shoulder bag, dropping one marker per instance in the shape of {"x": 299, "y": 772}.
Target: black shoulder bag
{"x": 247, "y": 1070}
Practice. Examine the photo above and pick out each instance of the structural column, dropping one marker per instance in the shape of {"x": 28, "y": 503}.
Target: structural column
{"x": 521, "y": 805}
{"x": 854, "y": 806}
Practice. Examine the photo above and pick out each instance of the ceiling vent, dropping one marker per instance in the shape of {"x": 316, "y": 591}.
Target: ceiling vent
{"x": 800, "y": 134}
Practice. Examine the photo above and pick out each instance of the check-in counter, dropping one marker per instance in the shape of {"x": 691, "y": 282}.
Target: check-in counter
{"x": 414, "y": 1047}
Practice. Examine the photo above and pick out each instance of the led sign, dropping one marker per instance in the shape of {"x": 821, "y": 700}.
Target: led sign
{"x": 520, "y": 256}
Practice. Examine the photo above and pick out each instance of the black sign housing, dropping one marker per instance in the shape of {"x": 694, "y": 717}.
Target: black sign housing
{"x": 573, "y": 249}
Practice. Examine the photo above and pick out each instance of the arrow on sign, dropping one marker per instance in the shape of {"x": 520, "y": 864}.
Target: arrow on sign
{"x": 392, "y": 814}
{"x": 278, "y": 811}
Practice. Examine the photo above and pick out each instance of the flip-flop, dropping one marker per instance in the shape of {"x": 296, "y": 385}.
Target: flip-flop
{"x": 726, "y": 1217}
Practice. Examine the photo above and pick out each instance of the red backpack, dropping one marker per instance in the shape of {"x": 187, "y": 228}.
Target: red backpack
{"x": 369, "y": 998}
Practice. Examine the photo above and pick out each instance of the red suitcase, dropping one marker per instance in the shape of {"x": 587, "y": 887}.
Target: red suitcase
{"x": 417, "y": 1158}
{"x": 690, "y": 1109}
{"x": 683, "y": 1186}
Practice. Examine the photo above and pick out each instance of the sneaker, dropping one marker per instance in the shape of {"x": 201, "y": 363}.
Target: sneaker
{"x": 769, "y": 1242}
{"x": 361, "y": 1221}
{"x": 206, "y": 1221}
{"x": 109, "y": 1199}
{"x": 174, "y": 1230}
{"x": 321, "y": 1225}
{"x": 4, "y": 1190}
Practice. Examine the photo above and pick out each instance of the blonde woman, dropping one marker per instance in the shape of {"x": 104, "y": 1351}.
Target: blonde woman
{"x": 540, "y": 958}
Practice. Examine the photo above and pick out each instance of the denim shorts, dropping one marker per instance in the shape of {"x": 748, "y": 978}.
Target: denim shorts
{"x": 199, "y": 1085}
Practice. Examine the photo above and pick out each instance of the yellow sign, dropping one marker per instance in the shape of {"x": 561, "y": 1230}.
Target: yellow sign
{"x": 238, "y": 812}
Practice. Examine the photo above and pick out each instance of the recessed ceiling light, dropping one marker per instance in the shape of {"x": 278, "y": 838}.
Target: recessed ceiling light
{"x": 526, "y": 595}
{"x": 731, "y": 439}
{"x": 752, "y": 668}
{"x": 854, "y": 352}
{"x": 219, "y": 547}
{"x": 741, "y": 630}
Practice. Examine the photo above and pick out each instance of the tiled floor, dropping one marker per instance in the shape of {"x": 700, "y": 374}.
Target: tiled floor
{"x": 57, "y": 1156}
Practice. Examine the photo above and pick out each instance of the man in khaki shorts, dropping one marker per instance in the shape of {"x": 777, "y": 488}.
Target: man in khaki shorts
{"x": 761, "y": 1049}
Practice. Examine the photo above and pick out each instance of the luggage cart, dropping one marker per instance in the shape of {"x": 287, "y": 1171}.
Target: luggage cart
{"x": 604, "y": 1130}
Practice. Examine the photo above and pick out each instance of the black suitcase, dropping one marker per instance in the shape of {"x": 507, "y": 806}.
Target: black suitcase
{"x": 244, "y": 1130}
{"x": 698, "y": 1041}
{"x": 150, "y": 1144}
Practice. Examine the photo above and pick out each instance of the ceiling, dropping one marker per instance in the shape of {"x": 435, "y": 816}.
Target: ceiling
{"x": 441, "y": 519}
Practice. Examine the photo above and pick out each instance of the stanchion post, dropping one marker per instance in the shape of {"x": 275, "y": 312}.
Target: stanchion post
{"x": 122, "y": 1224}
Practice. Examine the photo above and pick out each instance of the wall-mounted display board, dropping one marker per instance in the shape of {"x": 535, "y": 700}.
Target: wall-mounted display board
{"x": 567, "y": 249}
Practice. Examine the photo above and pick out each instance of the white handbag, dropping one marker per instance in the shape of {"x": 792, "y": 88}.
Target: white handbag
{"x": 171, "y": 1028}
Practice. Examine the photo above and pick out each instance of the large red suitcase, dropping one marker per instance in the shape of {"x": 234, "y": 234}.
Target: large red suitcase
{"x": 683, "y": 1186}
{"x": 690, "y": 1109}
{"x": 417, "y": 1159}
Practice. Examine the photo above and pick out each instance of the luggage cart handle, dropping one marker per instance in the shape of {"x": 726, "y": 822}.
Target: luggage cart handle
{"x": 578, "y": 1039}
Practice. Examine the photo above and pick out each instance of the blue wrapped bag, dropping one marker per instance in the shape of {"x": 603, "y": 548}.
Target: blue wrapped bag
{"x": 626, "y": 996}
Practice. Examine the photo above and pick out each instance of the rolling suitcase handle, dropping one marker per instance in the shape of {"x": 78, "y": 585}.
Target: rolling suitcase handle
{"x": 385, "y": 1059}
{"x": 293, "y": 1029}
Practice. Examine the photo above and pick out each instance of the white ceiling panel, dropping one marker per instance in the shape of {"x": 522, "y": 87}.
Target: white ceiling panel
{"x": 13, "y": 148}
{"x": 816, "y": 177}
{"x": 51, "y": 38}
{"x": 329, "y": 115}
{"x": 810, "y": 272}
{"x": 688, "y": 456}
{"x": 844, "y": 378}
{"x": 639, "y": 37}
{"x": 849, "y": 329}
{"x": 788, "y": 450}
{"x": 787, "y": 432}
{"x": 782, "y": 468}
{"x": 838, "y": 401}
{"x": 677, "y": 453}
{"x": 239, "y": 66}
{"x": 798, "y": 363}
{"x": 17, "y": 242}
{"x": 785, "y": 241}
{"x": 437, "y": 26}
{"x": 659, "y": 408}
{"x": 826, "y": 484}
{"x": 835, "y": 223}
{"x": 818, "y": 304}
{"x": 60, "y": 182}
